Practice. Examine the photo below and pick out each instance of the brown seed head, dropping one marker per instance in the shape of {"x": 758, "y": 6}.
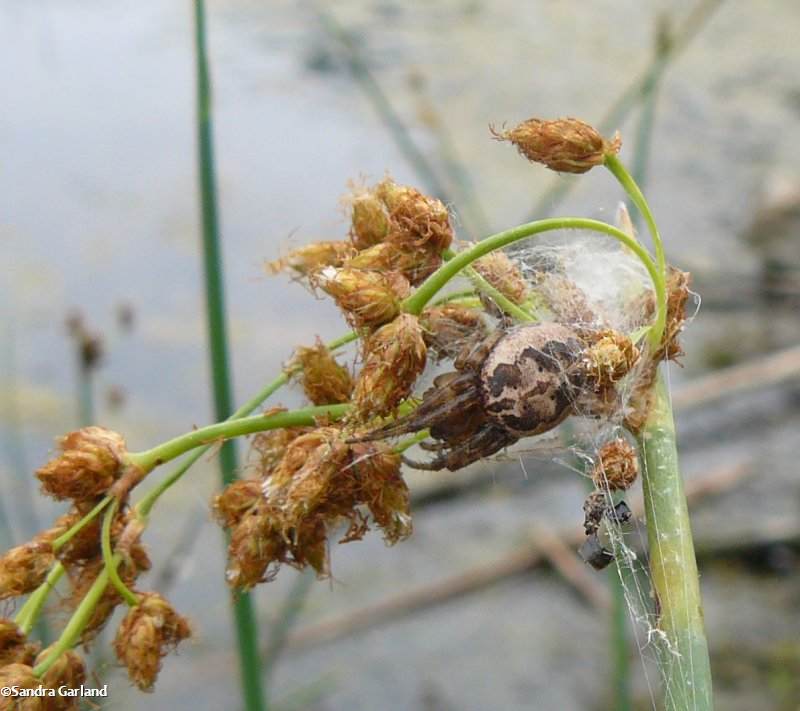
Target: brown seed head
{"x": 415, "y": 263}
{"x": 395, "y": 356}
{"x": 68, "y": 671}
{"x": 564, "y": 145}
{"x": 368, "y": 299}
{"x": 14, "y": 645}
{"x": 370, "y": 222}
{"x": 307, "y": 261}
{"x": 383, "y": 489}
{"x": 617, "y": 466}
{"x": 448, "y": 328}
{"x": 565, "y": 299}
{"x": 677, "y": 296}
{"x": 256, "y": 543}
{"x": 269, "y": 447}
{"x": 504, "y": 275}
{"x": 415, "y": 220}
{"x": 325, "y": 382}
{"x": 146, "y": 634}
{"x": 92, "y": 458}
{"x": 236, "y": 499}
{"x": 23, "y": 568}
{"x": 608, "y": 359}
{"x": 21, "y": 676}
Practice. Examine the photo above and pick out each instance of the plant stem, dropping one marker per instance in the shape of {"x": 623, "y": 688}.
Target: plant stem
{"x": 28, "y": 614}
{"x": 108, "y": 556}
{"x": 246, "y": 628}
{"x": 684, "y": 660}
{"x": 229, "y": 429}
{"x": 72, "y": 632}
{"x": 436, "y": 281}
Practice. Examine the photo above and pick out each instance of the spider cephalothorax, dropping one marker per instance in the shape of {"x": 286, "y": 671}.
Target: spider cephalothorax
{"x": 514, "y": 384}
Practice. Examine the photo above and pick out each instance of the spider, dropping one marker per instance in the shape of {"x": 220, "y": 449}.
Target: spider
{"x": 514, "y": 384}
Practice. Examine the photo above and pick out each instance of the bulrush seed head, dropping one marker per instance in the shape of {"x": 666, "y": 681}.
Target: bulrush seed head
{"x": 415, "y": 263}
{"x": 24, "y": 568}
{"x": 269, "y": 447}
{"x": 146, "y": 634}
{"x": 14, "y": 645}
{"x": 370, "y": 223}
{"x": 325, "y": 382}
{"x": 504, "y": 275}
{"x": 307, "y": 261}
{"x": 608, "y": 359}
{"x": 617, "y": 466}
{"x": 383, "y": 489}
{"x": 368, "y": 299}
{"x": 68, "y": 671}
{"x": 564, "y": 145}
{"x": 395, "y": 356}
{"x": 256, "y": 542}
{"x": 415, "y": 219}
{"x": 236, "y": 499}
{"x": 92, "y": 458}
{"x": 448, "y": 329}
{"x": 22, "y": 677}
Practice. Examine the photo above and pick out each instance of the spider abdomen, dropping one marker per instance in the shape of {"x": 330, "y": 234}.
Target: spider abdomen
{"x": 525, "y": 385}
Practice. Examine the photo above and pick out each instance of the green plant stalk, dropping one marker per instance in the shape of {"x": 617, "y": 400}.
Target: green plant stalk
{"x": 229, "y": 429}
{"x": 619, "y": 641}
{"x": 80, "y": 618}
{"x": 684, "y": 653}
{"x": 108, "y": 556}
{"x": 624, "y": 178}
{"x": 246, "y": 627}
{"x": 28, "y": 614}
{"x": 415, "y": 303}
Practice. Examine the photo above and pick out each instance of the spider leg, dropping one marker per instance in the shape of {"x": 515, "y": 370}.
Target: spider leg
{"x": 488, "y": 440}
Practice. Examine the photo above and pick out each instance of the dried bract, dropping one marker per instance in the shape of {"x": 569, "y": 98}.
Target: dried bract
{"x": 92, "y": 459}
{"x": 325, "y": 382}
{"x": 146, "y": 634}
{"x": 395, "y": 356}
{"x": 564, "y": 145}
{"x": 307, "y": 261}
{"x": 617, "y": 466}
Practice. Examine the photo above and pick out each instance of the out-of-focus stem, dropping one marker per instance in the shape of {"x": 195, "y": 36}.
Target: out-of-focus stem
{"x": 685, "y": 663}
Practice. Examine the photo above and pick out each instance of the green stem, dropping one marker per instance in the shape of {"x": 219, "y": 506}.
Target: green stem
{"x": 673, "y": 567}
{"x": 108, "y": 556}
{"x": 29, "y": 613}
{"x": 512, "y": 309}
{"x": 436, "y": 281}
{"x": 246, "y": 628}
{"x": 67, "y": 536}
{"x": 80, "y": 618}
{"x": 632, "y": 189}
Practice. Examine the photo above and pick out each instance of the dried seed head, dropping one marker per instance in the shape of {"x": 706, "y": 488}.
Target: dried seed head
{"x": 269, "y": 447}
{"x": 617, "y": 466}
{"x": 368, "y": 299}
{"x": 383, "y": 489}
{"x": 236, "y": 499}
{"x": 256, "y": 542}
{"x": 23, "y": 568}
{"x": 565, "y": 299}
{"x": 14, "y": 645}
{"x": 415, "y": 263}
{"x": 504, "y": 275}
{"x": 325, "y": 382}
{"x": 22, "y": 677}
{"x": 307, "y": 261}
{"x": 447, "y": 329}
{"x": 68, "y": 671}
{"x": 564, "y": 145}
{"x": 395, "y": 357}
{"x": 146, "y": 634}
{"x": 608, "y": 359}
{"x": 370, "y": 223}
{"x": 92, "y": 458}
{"x": 415, "y": 219}
{"x": 677, "y": 296}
